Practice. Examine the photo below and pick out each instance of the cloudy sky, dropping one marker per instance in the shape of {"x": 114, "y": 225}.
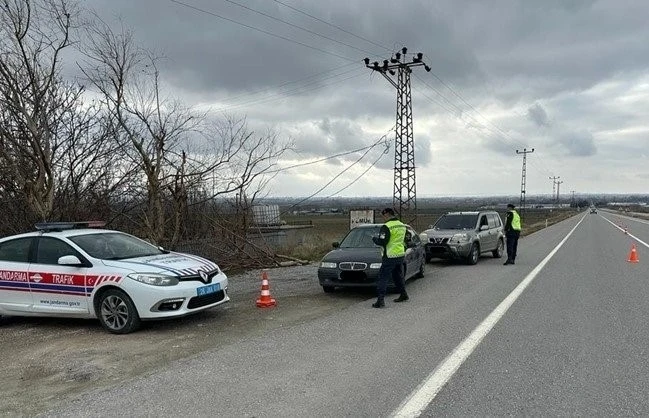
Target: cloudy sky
{"x": 569, "y": 78}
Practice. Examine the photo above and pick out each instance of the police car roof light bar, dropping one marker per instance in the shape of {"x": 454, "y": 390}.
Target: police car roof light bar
{"x": 60, "y": 226}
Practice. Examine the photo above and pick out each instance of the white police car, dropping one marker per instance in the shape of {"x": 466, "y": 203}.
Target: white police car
{"x": 71, "y": 269}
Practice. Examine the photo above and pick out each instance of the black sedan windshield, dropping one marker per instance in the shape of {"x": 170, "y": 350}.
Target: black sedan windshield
{"x": 360, "y": 238}
{"x": 114, "y": 246}
{"x": 459, "y": 221}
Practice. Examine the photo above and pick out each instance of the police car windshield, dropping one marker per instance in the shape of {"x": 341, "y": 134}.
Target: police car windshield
{"x": 456, "y": 221}
{"x": 360, "y": 238}
{"x": 114, "y": 246}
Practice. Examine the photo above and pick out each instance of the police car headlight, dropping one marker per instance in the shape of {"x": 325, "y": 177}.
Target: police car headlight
{"x": 375, "y": 265}
{"x": 154, "y": 279}
{"x": 328, "y": 265}
{"x": 460, "y": 238}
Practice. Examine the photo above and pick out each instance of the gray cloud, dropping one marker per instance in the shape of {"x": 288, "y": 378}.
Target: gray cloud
{"x": 538, "y": 115}
{"x": 578, "y": 144}
{"x": 564, "y": 77}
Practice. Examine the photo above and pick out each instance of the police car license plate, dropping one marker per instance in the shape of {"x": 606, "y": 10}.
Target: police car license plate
{"x": 210, "y": 288}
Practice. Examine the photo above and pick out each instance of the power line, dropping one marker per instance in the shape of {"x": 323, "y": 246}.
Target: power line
{"x": 455, "y": 93}
{"x": 198, "y": 9}
{"x": 342, "y": 154}
{"x": 493, "y": 129}
{"x": 332, "y": 25}
{"x": 287, "y": 93}
{"x": 336, "y": 176}
{"x": 298, "y": 27}
{"x": 279, "y": 86}
{"x": 363, "y": 173}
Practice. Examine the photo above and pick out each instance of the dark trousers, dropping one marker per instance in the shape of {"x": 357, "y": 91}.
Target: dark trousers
{"x": 512, "y": 244}
{"x": 390, "y": 268}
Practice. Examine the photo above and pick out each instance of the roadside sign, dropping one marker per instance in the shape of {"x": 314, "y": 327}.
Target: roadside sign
{"x": 360, "y": 217}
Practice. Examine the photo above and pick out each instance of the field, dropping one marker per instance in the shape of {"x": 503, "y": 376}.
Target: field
{"x": 329, "y": 228}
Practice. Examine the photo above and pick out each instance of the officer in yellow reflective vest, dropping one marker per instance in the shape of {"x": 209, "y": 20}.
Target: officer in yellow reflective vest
{"x": 392, "y": 237}
{"x": 512, "y": 233}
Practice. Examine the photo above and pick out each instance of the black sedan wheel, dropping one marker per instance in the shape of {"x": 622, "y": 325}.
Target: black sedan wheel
{"x": 117, "y": 313}
{"x": 421, "y": 271}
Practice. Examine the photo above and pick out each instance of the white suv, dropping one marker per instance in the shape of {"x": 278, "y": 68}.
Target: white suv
{"x": 68, "y": 269}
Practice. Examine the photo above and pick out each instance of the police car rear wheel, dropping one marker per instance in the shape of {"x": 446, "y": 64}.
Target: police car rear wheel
{"x": 117, "y": 313}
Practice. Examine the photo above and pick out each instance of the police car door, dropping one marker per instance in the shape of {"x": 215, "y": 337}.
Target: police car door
{"x": 57, "y": 289}
{"x": 15, "y": 294}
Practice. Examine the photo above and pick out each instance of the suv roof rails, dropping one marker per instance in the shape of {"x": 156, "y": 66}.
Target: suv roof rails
{"x": 60, "y": 226}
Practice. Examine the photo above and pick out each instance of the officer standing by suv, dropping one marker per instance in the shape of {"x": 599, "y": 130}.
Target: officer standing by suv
{"x": 392, "y": 237}
{"x": 512, "y": 233}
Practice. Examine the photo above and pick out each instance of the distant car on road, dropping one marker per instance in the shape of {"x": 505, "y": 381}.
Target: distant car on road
{"x": 593, "y": 210}
{"x": 69, "y": 269}
{"x": 356, "y": 260}
{"x": 464, "y": 236}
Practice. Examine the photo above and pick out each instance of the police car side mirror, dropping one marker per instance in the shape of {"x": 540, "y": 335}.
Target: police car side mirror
{"x": 70, "y": 260}
{"x": 335, "y": 244}
{"x": 484, "y": 227}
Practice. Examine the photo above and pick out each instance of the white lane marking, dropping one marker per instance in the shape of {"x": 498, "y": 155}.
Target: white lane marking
{"x": 424, "y": 394}
{"x": 628, "y": 218}
{"x": 627, "y": 232}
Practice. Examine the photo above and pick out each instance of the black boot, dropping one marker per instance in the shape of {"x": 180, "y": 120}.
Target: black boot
{"x": 379, "y": 303}
{"x": 402, "y": 297}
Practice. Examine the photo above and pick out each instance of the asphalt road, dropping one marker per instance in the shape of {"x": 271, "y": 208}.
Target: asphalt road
{"x": 571, "y": 340}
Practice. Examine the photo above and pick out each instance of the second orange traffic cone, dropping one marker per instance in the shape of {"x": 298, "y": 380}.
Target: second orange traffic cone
{"x": 633, "y": 257}
{"x": 265, "y": 301}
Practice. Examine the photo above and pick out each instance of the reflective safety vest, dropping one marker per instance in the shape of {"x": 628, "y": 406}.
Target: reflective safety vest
{"x": 516, "y": 221}
{"x": 396, "y": 247}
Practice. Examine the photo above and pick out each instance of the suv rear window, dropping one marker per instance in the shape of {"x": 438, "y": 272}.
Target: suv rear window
{"x": 456, "y": 221}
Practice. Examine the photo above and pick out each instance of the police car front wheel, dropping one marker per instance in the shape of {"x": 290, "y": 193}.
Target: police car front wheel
{"x": 117, "y": 313}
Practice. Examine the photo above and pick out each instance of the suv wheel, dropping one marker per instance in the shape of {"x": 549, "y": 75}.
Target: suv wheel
{"x": 328, "y": 289}
{"x": 474, "y": 254}
{"x": 498, "y": 252}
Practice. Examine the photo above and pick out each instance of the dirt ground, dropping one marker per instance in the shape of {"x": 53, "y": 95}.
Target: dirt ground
{"x": 47, "y": 361}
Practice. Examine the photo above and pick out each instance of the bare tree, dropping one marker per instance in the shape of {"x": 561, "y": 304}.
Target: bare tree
{"x": 174, "y": 147}
{"x": 35, "y": 101}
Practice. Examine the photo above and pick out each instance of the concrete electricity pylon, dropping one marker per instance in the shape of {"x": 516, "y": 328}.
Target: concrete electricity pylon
{"x": 559, "y": 183}
{"x": 405, "y": 192}
{"x": 554, "y": 186}
{"x": 521, "y": 204}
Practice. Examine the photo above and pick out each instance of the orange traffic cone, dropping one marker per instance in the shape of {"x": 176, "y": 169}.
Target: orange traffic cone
{"x": 265, "y": 301}
{"x": 633, "y": 257}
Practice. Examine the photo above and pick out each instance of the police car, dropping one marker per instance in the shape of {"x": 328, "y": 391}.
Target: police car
{"x": 76, "y": 270}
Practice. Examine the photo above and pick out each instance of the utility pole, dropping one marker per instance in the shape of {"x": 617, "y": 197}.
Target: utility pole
{"x": 572, "y": 199}
{"x": 558, "y": 186}
{"x": 522, "y": 200}
{"x": 404, "y": 192}
{"x": 554, "y": 186}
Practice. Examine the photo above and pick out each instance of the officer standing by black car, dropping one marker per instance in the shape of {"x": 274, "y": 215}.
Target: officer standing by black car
{"x": 512, "y": 233}
{"x": 392, "y": 237}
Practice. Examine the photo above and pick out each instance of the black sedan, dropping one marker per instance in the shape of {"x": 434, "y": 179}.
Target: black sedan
{"x": 355, "y": 262}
